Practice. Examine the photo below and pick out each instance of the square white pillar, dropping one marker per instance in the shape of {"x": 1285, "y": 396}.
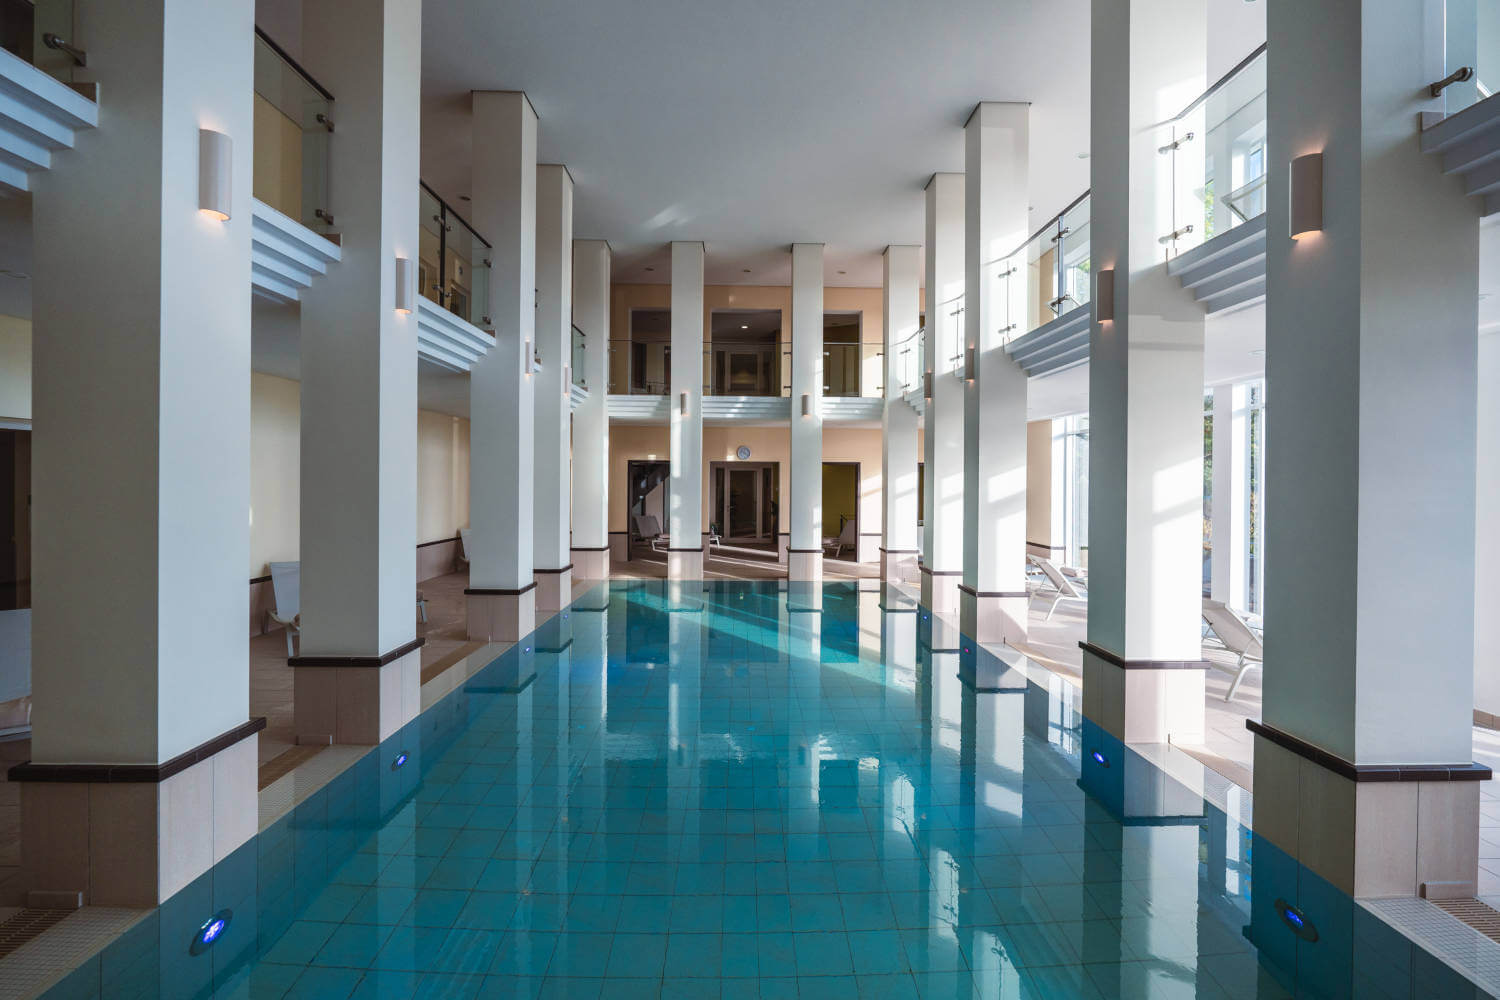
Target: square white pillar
{"x": 552, "y": 392}
{"x": 1371, "y": 354}
{"x": 805, "y": 549}
{"x": 1145, "y": 385}
{"x": 591, "y": 269}
{"x": 141, "y": 400}
{"x": 359, "y": 392}
{"x": 685, "y": 485}
{"x": 943, "y": 537}
{"x": 899, "y": 543}
{"x": 993, "y": 599}
{"x": 1230, "y": 515}
{"x": 502, "y": 413}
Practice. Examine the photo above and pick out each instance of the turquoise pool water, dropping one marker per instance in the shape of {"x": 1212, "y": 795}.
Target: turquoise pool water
{"x": 710, "y": 791}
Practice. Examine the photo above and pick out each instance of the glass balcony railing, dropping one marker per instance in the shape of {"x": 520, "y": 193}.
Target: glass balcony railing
{"x": 853, "y": 369}
{"x": 1471, "y": 40}
{"x": 909, "y": 361}
{"x": 1218, "y": 156}
{"x": 293, "y": 119}
{"x": 640, "y": 369}
{"x": 42, "y": 33}
{"x": 1047, "y": 277}
{"x": 742, "y": 368}
{"x": 948, "y": 344}
{"x": 453, "y": 265}
{"x": 579, "y": 356}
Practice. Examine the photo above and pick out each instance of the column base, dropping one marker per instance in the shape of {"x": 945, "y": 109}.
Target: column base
{"x": 805, "y": 566}
{"x": 685, "y": 564}
{"x": 501, "y": 615}
{"x": 1414, "y": 830}
{"x": 619, "y": 546}
{"x": 1144, "y": 701}
{"x": 783, "y": 543}
{"x": 134, "y": 834}
{"x": 591, "y": 564}
{"x": 940, "y": 590}
{"x": 898, "y": 565}
{"x": 992, "y": 617}
{"x": 356, "y": 699}
{"x": 554, "y": 588}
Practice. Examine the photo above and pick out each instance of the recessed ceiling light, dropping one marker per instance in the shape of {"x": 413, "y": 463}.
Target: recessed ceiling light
{"x": 649, "y": 268}
{"x": 746, "y": 270}
{"x": 843, "y": 272}
{"x": 464, "y": 197}
{"x": 744, "y": 326}
{"x": 1083, "y": 156}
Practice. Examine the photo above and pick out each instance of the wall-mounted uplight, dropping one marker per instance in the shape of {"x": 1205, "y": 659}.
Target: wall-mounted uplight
{"x": 682, "y": 403}
{"x": 215, "y": 173}
{"x": 806, "y": 405}
{"x": 403, "y": 284}
{"x": 1306, "y": 195}
{"x": 1104, "y": 295}
{"x": 567, "y": 380}
{"x": 530, "y": 363}
{"x": 927, "y": 385}
{"x": 969, "y": 362}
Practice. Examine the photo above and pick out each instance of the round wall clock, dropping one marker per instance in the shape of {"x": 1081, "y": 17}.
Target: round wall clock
{"x": 742, "y": 452}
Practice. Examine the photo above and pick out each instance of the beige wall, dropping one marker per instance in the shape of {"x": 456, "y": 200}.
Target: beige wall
{"x": 275, "y": 478}
{"x": 15, "y": 368}
{"x": 1039, "y": 485}
{"x": 277, "y": 177}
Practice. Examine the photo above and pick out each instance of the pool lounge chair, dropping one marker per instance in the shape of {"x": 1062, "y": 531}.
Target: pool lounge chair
{"x": 286, "y": 590}
{"x": 846, "y": 540}
{"x": 1068, "y": 589}
{"x": 648, "y": 529}
{"x": 1237, "y": 637}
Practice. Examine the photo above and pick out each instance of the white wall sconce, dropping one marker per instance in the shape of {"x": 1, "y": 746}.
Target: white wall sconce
{"x": 215, "y": 173}
{"x": 403, "y": 284}
{"x": 530, "y": 359}
{"x": 927, "y": 385}
{"x": 1306, "y": 195}
{"x": 682, "y": 403}
{"x": 806, "y": 405}
{"x": 970, "y": 362}
{"x": 567, "y": 380}
{"x": 1104, "y": 295}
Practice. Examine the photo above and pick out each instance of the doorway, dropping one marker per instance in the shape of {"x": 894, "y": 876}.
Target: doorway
{"x": 744, "y": 510}
{"x": 645, "y": 497}
{"x": 841, "y": 507}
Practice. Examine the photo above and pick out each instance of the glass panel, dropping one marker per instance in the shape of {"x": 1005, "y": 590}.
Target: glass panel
{"x": 1471, "y": 30}
{"x": 430, "y": 248}
{"x": 580, "y": 346}
{"x": 950, "y": 336}
{"x": 872, "y": 369}
{"x": 292, "y": 120}
{"x": 1218, "y": 151}
{"x": 909, "y": 362}
{"x": 25, "y": 27}
{"x": 466, "y": 270}
{"x": 1073, "y": 257}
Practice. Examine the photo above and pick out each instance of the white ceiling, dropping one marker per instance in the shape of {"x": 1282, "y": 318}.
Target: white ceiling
{"x": 752, "y": 126}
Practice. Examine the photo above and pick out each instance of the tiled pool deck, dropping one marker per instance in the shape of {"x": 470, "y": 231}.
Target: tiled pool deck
{"x": 705, "y": 790}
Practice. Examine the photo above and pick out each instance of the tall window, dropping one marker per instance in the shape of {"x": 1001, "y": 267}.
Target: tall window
{"x": 1255, "y": 465}
{"x": 1076, "y": 490}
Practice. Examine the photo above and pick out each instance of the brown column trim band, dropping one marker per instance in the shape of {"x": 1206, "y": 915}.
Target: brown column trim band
{"x": 1369, "y": 772}
{"x": 1124, "y": 664}
{"x": 589, "y": 548}
{"x": 358, "y": 661}
{"x": 139, "y": 773}
{"x": 685, "y": 548}
{"x": 805, "y": 552}
{"x": 565, "y": 569}
{"x": 941, "y": 572}
{"x": 900, "y": 552}
{"x": 991, "y": 593}
{"x": 440, "y": 541}
{"x": 1044, "y": 545}
{"x": 497, "y": 592}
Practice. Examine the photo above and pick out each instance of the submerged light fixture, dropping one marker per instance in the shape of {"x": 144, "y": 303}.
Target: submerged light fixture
{"x": 1297, "y": 921}
{"x": 1306, "y": 195}
{"x": 1099, "y": 758}
{"x": 213, "y": 928}
{"x": 400, "y": 761}
{"x": 215, "y": 173}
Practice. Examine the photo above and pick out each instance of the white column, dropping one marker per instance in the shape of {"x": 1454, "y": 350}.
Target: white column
{"x": 502, "y": 414}
{"x": 552, "y": 386}
{"x": 591, "y": 266}
{"x": 993, "y": 599}
{"x": 1487, "y": 535}
{"x": 140, "y": 379}
{"x": 685, "y": 487}
{"x": 943, "y": 555}
{"x": 898, "y": 425}
{"x": 805, "y": 551}
{"x": 1229, "y": 568}
{"x": 1143, "y": 673}
{"x": 1371, "y": 354}
{"x": 358, "y": 672}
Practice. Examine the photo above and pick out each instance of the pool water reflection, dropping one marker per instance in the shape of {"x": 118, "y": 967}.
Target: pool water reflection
{"x": 704, "y": 790}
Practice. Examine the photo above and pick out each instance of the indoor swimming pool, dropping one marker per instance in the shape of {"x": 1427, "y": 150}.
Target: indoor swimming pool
{"x": 721, "y": 790}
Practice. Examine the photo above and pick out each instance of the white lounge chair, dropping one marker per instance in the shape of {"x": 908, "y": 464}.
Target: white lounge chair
{"x": 286, "y": 590}
{"x": 649, "y": 530}
{"x": 463, "y": 547}
{"x": 846, "y": 539}
{"x": 1068, "y": 589}
{"x": 1237, "y": 637}
{"x": 421, "y": 607}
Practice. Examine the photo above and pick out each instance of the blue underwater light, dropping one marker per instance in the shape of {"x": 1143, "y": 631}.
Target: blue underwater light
{"x": 1099, "y": 758}
{"x": 400, "y": 760}
{"x": 1297, "y": 921}
{"x": 213, "y": 929}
